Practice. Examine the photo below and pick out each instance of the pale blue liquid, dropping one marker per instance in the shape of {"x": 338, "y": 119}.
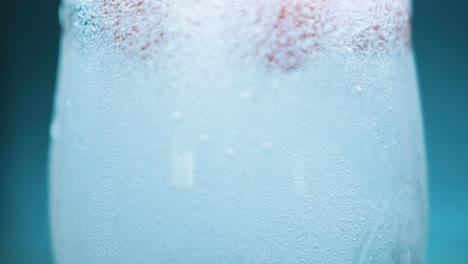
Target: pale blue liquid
{"x": 200, "y": 161}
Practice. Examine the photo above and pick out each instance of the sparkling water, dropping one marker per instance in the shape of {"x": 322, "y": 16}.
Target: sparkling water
{"x": 237, "y": 131}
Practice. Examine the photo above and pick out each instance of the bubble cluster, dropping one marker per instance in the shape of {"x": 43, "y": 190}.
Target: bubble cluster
{"x": 285, "y": 32}
{"x": 274, "y": 34}
{"x": 137, "y": 26}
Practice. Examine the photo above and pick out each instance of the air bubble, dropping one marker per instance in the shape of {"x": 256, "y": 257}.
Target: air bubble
{"x": 266, "y": 145}
{"x": 246, "y": 95}
{"x": 328, "y": 28}
{"x": 358, "y": 89}
{"x": 275, "y": 83}
{"x": 230, "y": 150}
{"x": 204, "y": 138}
{"x": 177, "y": 116}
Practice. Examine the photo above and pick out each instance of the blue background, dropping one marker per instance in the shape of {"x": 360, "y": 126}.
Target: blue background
{"x": 29, "y": 45}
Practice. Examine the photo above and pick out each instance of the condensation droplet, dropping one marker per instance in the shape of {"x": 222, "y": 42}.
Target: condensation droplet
{"x": 358, "y": 89}
{"x": 204, "y": 138}
{"x": 230, "y": 150}
{"x": 266, "y": 145}
{"x": 328, "y": 28}
{"x": 275, "y": 83}
{"x": 246, "y": 95}
{"x": 177, "y": 116}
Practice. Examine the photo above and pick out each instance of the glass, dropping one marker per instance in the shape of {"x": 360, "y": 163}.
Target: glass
{"x": 237, "y": 131}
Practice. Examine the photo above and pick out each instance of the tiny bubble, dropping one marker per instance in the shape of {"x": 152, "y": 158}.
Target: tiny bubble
{"x": 328, "y": 28}
{"x": 358, "y": 89}
{"x": 246, "y": 95}
{"x": 54, "y": 130}
{"x": 177, "y": 115}
{"x": 275, "y": 83}
{"x": 229, "y": 150}
{"x": 266, "y": 145}
{"x": 257, "y": 30}
{"x": 204, "y": 138}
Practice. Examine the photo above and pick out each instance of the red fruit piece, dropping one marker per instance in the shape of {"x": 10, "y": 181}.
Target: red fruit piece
{"x": 291, "y": 34}
{"x": 297, "y": 29}
{"x": 136, "y": 25}
{"x": 390, "y": 27}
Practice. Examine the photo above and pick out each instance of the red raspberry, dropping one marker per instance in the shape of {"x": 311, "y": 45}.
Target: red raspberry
{"x": 390, "y": 28}
{"x": 291, "y": 35}
{"x": 290, "y": 30}
{"x": 297, "y": 29}
{"x": 136, "y": 25}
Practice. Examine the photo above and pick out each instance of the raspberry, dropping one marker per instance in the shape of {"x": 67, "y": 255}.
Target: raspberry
{"x": 390, "y": 27}
{"x": 136, "y": 25}
{"x": 291, "y": 31}
{"x": 291, "y": 35}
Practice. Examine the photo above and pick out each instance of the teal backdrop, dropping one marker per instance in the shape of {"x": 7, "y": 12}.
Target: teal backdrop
{"x": 29, "y": 45}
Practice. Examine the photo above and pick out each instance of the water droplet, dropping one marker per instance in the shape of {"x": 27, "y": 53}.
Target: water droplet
{"x": 177, "y": 116}
{"x": 230, "y": 150}
{"x": 266, "y": 145}
{"x": 358, "y": 89}
{"x": 246, "y": 95}
{"x": 275, "y": 83}
{"x": 204, "y": 138}
{"x": 328, "y": 28}
{"x": 68, "y": 102}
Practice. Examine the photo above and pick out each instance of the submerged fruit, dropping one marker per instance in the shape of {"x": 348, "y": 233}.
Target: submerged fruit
{"x": 280, "y": 34}
{"x": 137, "y": 25}
{"x": 291, "y": 35}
